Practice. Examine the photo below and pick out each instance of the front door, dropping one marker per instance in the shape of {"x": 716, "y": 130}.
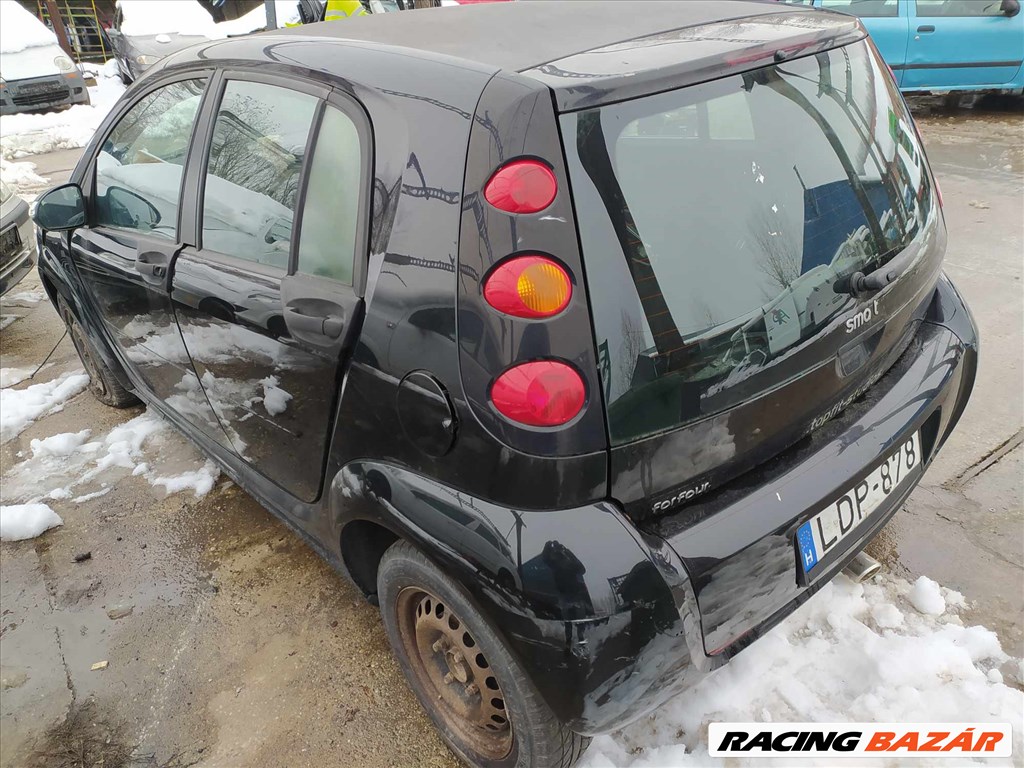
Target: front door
{"x": 963, "y": 43}
{"x": 125, "y": 256}
{"x": 269, "y": 301}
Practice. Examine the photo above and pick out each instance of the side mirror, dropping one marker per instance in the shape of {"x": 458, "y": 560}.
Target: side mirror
{"x": 1010, "y": 8}
{"x": 60, "y": 209}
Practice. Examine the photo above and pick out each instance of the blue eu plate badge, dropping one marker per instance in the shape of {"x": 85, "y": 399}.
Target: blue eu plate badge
{"x": 808, "y": 553}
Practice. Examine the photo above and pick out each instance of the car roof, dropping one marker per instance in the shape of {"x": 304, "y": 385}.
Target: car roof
{"x": 522, "y": 35}
{"x": 587, "y": 52}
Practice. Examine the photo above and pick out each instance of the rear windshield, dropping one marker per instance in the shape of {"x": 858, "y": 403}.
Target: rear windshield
{"x": 721, "y": 222}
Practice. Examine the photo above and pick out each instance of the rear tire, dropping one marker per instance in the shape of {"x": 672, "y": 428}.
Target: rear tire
{"x": 480, "y": 699}
{"x": 103, "y": 384}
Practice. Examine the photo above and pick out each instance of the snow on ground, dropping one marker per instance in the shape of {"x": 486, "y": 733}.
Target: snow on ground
{"x": 34, "y": 133}
{"x": 62, "y": 466}
{"x": 20, "y": 407}
{"x": 26, "y": 521}
{"x": 11, "y": 376}
{"x": 26, "y": 298}
{"x": 21, "y": 176}
{"x": 874, "y": 652}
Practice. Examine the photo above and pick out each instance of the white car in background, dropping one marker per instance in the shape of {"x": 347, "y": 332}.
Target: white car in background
{"x": 35, "y": 73}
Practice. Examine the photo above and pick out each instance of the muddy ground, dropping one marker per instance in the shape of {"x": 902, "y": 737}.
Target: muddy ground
{"x": 230, "y": 643}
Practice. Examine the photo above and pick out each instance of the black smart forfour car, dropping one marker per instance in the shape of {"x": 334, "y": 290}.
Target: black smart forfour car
{"x": 587, "y": 340}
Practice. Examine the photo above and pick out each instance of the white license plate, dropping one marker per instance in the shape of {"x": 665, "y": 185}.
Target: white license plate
{"x": 821, "y": 535}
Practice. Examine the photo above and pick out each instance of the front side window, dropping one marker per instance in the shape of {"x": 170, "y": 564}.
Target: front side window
{"x": 864, "y": 8}
{"x": 721, "y": 222}
{"x": 139, "y": 168}
{"x": 253, "y": 174}
{"x": 930, "y": 8}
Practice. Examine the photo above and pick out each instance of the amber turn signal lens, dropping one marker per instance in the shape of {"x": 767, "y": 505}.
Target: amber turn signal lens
{"x": 529, "y": 286}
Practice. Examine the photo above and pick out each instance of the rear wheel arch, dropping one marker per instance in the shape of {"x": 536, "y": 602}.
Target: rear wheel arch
{"x": 363, "y": 544}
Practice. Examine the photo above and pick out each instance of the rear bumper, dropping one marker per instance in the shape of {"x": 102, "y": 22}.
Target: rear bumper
{"x": 741, "y": 556}
{"x": 609, "y": 619}
{"x": 734, "y": 573}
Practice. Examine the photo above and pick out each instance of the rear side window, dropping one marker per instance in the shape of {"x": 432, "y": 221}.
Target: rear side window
{"x": 960, "y": 8}
{"x": 868, "y": 8}
{"x": 719, "y": 222}
{"x": 254, "y": 170}
{"x": 139, "y": 168}
{"x": 327, "y": 240}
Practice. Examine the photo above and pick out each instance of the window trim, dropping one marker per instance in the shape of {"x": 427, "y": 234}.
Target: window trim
{"x": 114, "y": 119}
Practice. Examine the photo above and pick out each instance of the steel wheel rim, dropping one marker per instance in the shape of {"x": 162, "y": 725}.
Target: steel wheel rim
{"x": 455, "y": 674}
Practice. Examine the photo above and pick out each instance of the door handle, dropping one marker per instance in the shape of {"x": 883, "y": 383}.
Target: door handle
{"x": 330, "y": 326}
{"x": 152, "y": 265}
{"x": 156, "y": 270}
{"x": 333, "y": 326}
{"x": 926, "y": 28}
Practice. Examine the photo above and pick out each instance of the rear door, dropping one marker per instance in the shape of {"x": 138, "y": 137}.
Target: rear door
{"x": 963, "y": 43}
{"x": 888, "y": 23}
{"x": 125, "y": 255}
{"x": 269, "y": 299}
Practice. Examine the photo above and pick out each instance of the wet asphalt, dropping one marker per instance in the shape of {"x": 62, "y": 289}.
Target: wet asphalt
{"x": 229, "y": 642}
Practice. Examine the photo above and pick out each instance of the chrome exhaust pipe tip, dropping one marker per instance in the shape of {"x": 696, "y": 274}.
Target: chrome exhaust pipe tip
{"x": 862, "y": 567}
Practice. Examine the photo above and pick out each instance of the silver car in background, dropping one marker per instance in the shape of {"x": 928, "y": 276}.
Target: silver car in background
{"x": 17, "y": 245}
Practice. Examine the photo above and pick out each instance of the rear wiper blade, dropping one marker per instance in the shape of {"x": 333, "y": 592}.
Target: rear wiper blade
{"x": 859, "y": 284}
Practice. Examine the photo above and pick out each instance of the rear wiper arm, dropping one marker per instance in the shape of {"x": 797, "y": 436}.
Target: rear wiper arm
{"x": 859, "y": 284}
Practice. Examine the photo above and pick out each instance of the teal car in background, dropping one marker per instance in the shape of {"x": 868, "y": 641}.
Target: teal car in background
{"x": 944, "y": 45}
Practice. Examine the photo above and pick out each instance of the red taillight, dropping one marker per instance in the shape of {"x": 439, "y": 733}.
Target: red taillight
{"x": 529, "y": 286}
{"x": 545, "y": 393}
{"x": 521, "y": 186}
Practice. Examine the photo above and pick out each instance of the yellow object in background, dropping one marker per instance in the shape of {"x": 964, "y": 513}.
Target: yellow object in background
{"x": 343, "y": 9}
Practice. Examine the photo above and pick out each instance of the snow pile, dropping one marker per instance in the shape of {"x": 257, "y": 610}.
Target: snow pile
{"x": 287, "y": 12}
{"x": 63, "y": 444}
{"x": 154, "y": 17}
{"x": 29, "y": 298}
{"x": 275, "y": 399}
{"x": 107, "y": 69}
{"x": 926, "y": 597}
{"x": 61, "y": 464}
{"x": 19, "y": 29}
{"x": 853, "y": 653}
{"x": 144, "y": 18}
{"x": 199, "y": 481}
{"x": 21, "y": 175}
{"x": 26, "y": 521}
{"x": 90, "y": 496}
{"x": 32, "y": 134}
{"x": 20, "y": 407}
{"x": 11, "y": 376}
